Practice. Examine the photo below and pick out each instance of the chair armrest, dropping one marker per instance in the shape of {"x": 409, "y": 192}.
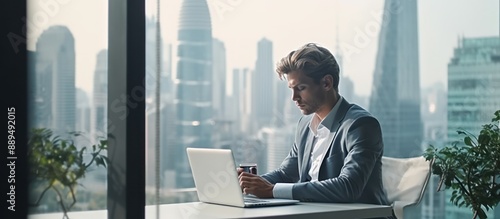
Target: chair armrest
{"x": 398, "y": 207}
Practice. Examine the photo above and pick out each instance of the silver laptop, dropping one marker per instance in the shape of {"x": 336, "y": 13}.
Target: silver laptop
{"x": 216, "y": 180}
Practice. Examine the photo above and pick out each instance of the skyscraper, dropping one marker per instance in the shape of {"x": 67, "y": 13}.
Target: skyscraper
{"x": 82, "y": 123}
{"x": 473, "y": 95}
{"x": 238, "y": 107}
{"x": 55, "y": 80}
{"x": 194, "y": 84}
{"x": 168, "y": 90}
{"x": 219, "y": 78}
{"x": 263, "y": 85}
{"x": 395, "y": 98}
{"x": 100, "y": 97}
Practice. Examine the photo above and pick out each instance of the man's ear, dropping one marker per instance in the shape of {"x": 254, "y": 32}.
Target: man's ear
{"x": 327, "y": 82}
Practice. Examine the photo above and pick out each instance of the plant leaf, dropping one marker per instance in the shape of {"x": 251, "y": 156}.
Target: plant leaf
{"x": 468, "y": 141}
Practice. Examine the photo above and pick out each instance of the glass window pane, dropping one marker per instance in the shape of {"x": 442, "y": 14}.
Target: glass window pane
{"x": 421, "y": 74}
{"x": 67, "y": 62}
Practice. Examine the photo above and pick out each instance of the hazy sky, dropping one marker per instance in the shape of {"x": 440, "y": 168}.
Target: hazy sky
{"x": 288, "y": 24}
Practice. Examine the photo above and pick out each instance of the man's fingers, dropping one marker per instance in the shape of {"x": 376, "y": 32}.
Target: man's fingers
{"x": 249, "y": 190}
{"x": 239, "y": 170}
{"x": 246, "y": 191}
{"x": 248, "y": 178}
{"x": 245, "y": 183}
{"x": 246, "y": 174}
{"x": 248, "y": 182}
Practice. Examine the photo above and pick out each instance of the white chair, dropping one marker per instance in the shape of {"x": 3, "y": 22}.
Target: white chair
{"x": 405, "y": 180}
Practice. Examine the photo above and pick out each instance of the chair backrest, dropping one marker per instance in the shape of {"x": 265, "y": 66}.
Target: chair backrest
{"x": 405, "y": 179}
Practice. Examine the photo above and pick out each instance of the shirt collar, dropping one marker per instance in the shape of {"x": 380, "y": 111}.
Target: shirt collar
{"x": 327, "y": 122}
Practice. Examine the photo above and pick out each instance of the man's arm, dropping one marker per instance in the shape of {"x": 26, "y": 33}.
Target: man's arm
{"x": 364, "y": 145}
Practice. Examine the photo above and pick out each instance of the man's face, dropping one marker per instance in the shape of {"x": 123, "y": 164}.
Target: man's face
{"x": 307, "y": 95}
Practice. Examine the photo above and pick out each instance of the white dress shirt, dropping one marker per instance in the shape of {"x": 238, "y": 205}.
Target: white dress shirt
{"x": 323, "y": 137}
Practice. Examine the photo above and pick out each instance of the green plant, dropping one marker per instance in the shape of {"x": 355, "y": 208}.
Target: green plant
{"x": 472, "y": 169}
{"x": 56, "y": 164}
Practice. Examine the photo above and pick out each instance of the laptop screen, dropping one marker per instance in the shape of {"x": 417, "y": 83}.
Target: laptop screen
{"x": 215, "y": 176}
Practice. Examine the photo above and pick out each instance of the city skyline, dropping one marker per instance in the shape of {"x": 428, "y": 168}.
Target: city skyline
{"x": 437, "y": 35}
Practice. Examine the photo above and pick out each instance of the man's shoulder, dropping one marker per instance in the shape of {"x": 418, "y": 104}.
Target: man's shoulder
{"x": 359, "y": 114}
{"x": 356, "y": 111}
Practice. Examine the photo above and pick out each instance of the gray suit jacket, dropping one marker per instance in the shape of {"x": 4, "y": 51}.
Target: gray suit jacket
{"x": 351, "y": 170}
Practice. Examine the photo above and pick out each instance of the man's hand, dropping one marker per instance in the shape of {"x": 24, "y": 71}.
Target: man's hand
{"x": 255, "y": 185}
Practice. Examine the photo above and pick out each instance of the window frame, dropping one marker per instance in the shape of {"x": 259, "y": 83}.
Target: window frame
{"x": 126, "y": 117}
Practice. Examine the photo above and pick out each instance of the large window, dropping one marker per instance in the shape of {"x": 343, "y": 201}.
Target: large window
{"x": 210, "y": 80}
{"x": 68, "y": 77}
{"x": 398, "y": 59}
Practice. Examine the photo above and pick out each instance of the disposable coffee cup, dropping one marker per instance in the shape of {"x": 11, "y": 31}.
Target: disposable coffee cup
{"x": 249, "y": 168}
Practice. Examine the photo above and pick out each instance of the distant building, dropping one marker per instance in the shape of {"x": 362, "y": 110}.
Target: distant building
{"x": 100, "y": 95}
{"x": 55, "y": 92}
{"x": 395, "y": 97}
{"x": 82, "y": 111}
{"x": 238, "y": 107}
{"x": 473, "y": 95}
{"x": 168, "y": 89}
{"x": 279, "y": 142}
{"x": 263, "y": 86}
{"x": 167, "y": 137}
{"x": 218, "y": 78}
{"x": 222, "y": 122}
{"x": 193, "y": 98}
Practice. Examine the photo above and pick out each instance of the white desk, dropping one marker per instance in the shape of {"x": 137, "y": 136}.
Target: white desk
{"x": 198, "y": 210}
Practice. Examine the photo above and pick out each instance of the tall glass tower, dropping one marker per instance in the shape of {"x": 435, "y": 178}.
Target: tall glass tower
{"x": 194, "y": 84}
{"x": 473, "y": 95}
{"x": 100, "y": 97}
{"x": 263, "y": 85}
{"x": 395, "y": 98}
{"x": 55, "y": 80}
{"x": 219, "y": 78}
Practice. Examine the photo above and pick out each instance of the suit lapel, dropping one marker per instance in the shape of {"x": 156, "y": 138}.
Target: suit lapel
{"x": 337, "y": 120}
{"x": 307, "y": 153}
{"x": 339, "y": 116}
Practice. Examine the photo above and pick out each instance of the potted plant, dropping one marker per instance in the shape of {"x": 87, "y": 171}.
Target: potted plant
{"x": 471, "y": 168}
{"x": 56, "y": 165}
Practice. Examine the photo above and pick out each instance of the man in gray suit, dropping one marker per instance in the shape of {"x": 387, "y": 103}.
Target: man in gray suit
{"x": 336, "y": 155}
